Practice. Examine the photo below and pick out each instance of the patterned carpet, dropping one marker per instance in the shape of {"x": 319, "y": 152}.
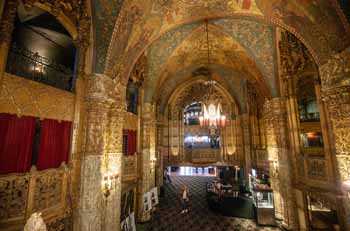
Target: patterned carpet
{"x": 168, "y": 216}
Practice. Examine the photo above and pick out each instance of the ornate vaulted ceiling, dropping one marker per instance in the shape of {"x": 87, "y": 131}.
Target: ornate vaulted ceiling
{"x": 187, "y": 46}
{"x": 320, "y": 24}
{"x": 222, "y": 75}
{"x": 241, "y": 33}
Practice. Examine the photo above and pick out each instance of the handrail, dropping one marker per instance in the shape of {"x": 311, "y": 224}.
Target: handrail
{"x": 30, "y": 65}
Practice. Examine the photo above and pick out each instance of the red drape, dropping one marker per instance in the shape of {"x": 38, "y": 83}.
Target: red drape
{"x": 16, "y": 143}
{"x": 54, "y": 143}
{"x": 131, "y": 144}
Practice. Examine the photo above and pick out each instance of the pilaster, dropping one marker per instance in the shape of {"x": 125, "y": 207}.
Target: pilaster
{"x": 335, "y": 92}
{"x": 101, "y": 157}
{"x": 280, "y": 162}
{"x": 148, "y": 159}
{"x": 6, "y": 28}
{"x": 246, "y": 144}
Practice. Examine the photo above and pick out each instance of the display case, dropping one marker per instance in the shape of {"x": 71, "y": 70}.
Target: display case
{"x": 263, "y": 202}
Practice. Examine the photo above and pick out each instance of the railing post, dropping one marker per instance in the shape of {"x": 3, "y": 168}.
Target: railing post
{"x": 65, "y": 169}
{"x": 31, "y": 192}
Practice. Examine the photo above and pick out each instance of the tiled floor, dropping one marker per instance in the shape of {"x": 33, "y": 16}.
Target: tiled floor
{"x": 168, "y": 216}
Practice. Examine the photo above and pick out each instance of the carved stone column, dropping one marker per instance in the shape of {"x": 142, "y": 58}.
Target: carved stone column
{"x": 280, "y": 162}
{"x": 244, "y": 119}
{"x": 148, "y": 158}
{"x": 335, "y": 80}
{"x": 6, "y": 28}
{"x": 93, "y": 165}
{"x": 114, "y": 157}
{"x": 160, "y": 165}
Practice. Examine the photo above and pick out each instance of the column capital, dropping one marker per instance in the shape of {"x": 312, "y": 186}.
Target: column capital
{"x": 99, "y": 90}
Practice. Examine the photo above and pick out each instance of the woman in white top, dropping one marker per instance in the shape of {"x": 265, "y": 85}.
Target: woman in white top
{"x": 184, "y": 199}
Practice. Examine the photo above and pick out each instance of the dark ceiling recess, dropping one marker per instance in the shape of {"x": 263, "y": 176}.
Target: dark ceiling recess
{"x": 41, "y": 33}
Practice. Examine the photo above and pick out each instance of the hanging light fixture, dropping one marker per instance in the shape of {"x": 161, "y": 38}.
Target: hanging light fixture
{"x": 211, "y": 108}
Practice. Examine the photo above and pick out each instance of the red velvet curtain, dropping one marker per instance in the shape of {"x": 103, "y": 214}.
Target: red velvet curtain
{"x": 131, "y": 144}
{"x": 54, "y": 143}
{"x": 16, "y": 143}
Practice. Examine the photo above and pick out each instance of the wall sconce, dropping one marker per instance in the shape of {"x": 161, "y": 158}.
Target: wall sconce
{"x": 108, "y": 182}
{"x": 153, "y": 163}
{"x": 231, "y": 149}
{"x": 175, "y": 151}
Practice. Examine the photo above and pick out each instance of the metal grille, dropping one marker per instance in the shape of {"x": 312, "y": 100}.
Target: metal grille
{"x": 27, "y": 64}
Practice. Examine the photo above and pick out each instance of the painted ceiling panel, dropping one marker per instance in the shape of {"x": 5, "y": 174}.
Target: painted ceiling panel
{"x": 105, "y": 15}
{"x": 192, "y": 50}
{"x": 257, "y": 38}
{"x": 226, "y": 77}
{"x": 316, "y": 22}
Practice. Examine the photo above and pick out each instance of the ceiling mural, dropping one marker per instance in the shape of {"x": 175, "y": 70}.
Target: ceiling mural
{"x": 233, "y": 82}
{"x": 105, "y": 15}
{"x": 160, "y": 50}
{"x": 257, "y": 38}
{"x": 224, "y": 51}
{"x": 141, "y": 22}
{"x": 195, "y": 92}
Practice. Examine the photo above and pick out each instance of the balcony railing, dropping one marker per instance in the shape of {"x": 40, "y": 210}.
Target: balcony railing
{"x": 36, "y": 191}
{"x": 27, "y": 64}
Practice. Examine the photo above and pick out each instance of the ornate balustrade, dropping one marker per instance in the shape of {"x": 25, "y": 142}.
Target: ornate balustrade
{"x": 129, "y": 168}
{"x": 30, "y": 65}
{"x": 37, "y": 191}
{"x": 313, "y": 164}
{"x": 203, "y": 155}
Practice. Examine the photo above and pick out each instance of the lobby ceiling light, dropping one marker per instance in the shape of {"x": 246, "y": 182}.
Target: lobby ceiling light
{"x": 211, "y": 115}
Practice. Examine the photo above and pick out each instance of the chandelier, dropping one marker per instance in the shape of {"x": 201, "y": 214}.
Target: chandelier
{"x": 211, "y": 116}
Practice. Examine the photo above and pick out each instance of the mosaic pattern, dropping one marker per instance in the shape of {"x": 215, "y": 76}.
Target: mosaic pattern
{"x": 316, "y": 22}
{"x": 257, "y": 39}
{"x": 199, "y": 218}
{"x": 106, "y": 13}
{"x": 25, "y": 97}
{"x": 229, "y": 79}
{"x": 192, "y": 51}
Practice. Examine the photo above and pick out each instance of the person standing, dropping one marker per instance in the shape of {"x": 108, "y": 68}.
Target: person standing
{"x": 167, "y": 175}
{"x": 184, "y": 199}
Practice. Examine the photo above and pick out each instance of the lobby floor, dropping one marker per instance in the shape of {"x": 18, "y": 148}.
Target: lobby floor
{"x": 168, "y": 215}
